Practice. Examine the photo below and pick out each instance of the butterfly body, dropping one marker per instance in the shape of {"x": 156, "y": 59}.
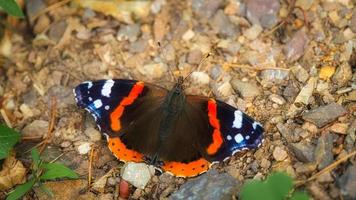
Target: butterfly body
{"x": 182, "y": 134}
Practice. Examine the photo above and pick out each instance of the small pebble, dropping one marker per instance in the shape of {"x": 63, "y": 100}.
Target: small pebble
{"x": 277, "y": 99}
{"x": 84, "y": 148}
{"x": 295, "y": 48}
{"x": 188, "y": 35}
{"x": 246, "y": 89}
{"x": 194, "y": 56}
{"x": 340, "y": 128}
{"x": 263, "y": 12}
{"x": 93, "y": 134}
{"x": 279, "y": 154}
{"x": 138, "y": 174}
{"x": 253, "y": 32}
{"x": 153, "y": 70}
{"x": 200, "y": 78}
{"x": 36, "y": 128}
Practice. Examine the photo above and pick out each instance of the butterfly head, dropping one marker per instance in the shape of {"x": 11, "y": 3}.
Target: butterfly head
{"x": 179, "y": 87}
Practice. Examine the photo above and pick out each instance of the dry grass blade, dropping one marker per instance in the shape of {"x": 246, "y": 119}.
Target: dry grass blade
{"x": 91, "y": 157}
{"x": 51, "y": 125}
{"x": 326, "y": 169}
{"x": 254, "y": 68}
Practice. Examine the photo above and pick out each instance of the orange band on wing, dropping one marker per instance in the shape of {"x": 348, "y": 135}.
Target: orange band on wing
{"x": 190, "y": 169}
{"x": 117, "y": 113}
{"x": 119, "y": 149}
{"x": 214, "y": 122}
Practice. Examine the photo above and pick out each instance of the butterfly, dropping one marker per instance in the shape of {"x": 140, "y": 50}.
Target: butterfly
{"x": 178, "y": 133}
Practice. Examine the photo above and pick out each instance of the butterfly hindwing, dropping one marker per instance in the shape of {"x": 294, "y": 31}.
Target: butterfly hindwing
{"x": 236, "y": 130}
{"x": 115, "y": 104}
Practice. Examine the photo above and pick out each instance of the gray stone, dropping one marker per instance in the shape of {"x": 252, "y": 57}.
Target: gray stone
{"x": 206, "y": 8}
{"x": 33, "y": 7}
{"x": 343, "y": 74}
{"x": 274, "y": 75}
{"x": 222, "y": 25}
{"x": 36, "y": 128}
{"x": 128, "y": 32}
{"x": 246, "y": 89}
{"x": 304, "y": 4}
{"x": 194, "y": 56}
{"x": 303, "y": 151}
{"x": 353, "y": 22}
{"x": 350, "y": 140}
{"x": 300, "y": 73}
{"x": 93, "y": 134}
{"x": 347, "y": 183}
{"x": 285, "y": 131}
{"x": 323, "y": 151}
{"x": 63, "y": 94}
{"x": 263, "y": 12}
{"x": 295, "y": 48}
{"x": 210, "y": 185}
{"x": 324, "y": 114}
{"x": 290, "y": 92}
{"x": 215, "y": 71}
{"x": 56, "y": 30}
{"x": 138, "y": 46}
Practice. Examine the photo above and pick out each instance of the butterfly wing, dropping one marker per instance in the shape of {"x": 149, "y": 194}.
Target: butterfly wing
{"x": 207, "y": 131}
{"x": 115, "y": 105}
{"x": 234, "y": 131}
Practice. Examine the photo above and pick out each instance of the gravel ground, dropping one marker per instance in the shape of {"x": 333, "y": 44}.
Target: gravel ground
{"x": 289, "y": 64}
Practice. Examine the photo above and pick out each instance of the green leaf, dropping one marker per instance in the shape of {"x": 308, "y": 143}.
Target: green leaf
{"x": 35, "y": 156}
{"x": 8, "y": 138}
{"x": 280, "y": 184}
{"x": 11, "y": 8}
{"x": 300, "y": 196}
{"x": 21, "y": 190}
{"x": 276, "y": 187}
{"x": 255, "y": 189}
{"x": 57, "y": 170}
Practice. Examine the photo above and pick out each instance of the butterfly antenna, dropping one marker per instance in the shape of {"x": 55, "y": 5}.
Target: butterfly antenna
{"x": 203, "y": 60}
{"x": 169, "y": 69}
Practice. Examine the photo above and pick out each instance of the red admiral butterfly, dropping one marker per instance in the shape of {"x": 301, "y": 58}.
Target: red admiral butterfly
{"x": 181, "y": 134}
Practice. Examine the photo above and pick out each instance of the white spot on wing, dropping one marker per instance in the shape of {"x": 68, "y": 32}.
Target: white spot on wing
{"x": 237, "y": 123}
{"x": 247, "y": 137}
{"x": 106, "y": 90}
{"x": 90, "y": 99}
{"x": 107, "y": 107}
{"x": 228, "y": 137}
{"x": 254, "y": 125}
{"x": 98, "y": 103}
{"x": 90, "y": 84}
{"x": 238, "y": 138}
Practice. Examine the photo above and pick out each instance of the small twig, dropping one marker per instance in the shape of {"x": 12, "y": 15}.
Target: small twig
{"x": 305, "y": 16}
{"x": 51, "y": 125}
{"x": 55, "y": 159}
{"x": 90, "y": 166}
{"x": 31, "y": 137}
{"x": 49, "y": 8}
{"x": 6, "y": 118}
{"x": 255, "y": 68}
{"x": 326, "y": 169}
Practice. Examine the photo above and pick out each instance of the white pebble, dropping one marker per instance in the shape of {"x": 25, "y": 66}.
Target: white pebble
{"x": 84, "y": 148}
